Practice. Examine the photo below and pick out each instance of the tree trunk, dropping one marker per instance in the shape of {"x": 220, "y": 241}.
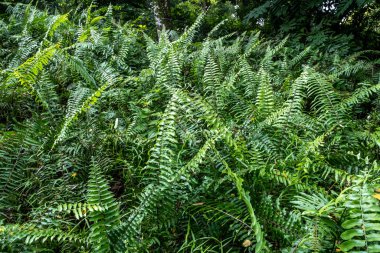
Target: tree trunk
{"x": 161, "y": 14}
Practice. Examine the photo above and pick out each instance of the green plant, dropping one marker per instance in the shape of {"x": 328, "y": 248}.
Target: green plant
{"x": 111, "y": 141}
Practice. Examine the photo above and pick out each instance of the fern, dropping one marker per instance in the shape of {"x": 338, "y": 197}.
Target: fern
{"x": 80, "y": 210}
{"x": 361, "y": 222}
{"x": 74, "y": 113}
{"x": 15, "y": 156}
{"x": 360, "y": 95}
{"x": 244, "y": 196}
{"x": 265, "y": 98}
{"x": 113, "y": 141}
{"x": 28, "y": 72}
{"x": 27, "y": 47}
{"x": 78, "y": 66}
{"x": 321, "y": 90}
{"x": 31, "y": 234}
{"x": 160, "y": 167}
{"x": 212, "y": 83}
{"x": 189, "y": 34}
{"x": 231, "y": 214}
{"x": 320, "y": 220}
{"x": 103, "y": 219}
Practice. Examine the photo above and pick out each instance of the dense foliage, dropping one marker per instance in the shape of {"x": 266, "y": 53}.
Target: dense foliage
{"x": 114, "y": 139}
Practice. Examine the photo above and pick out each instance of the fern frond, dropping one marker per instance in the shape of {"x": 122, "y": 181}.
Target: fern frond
{"x": 233, "y": 214}
{"x": 27, "y": 72}
{"x": 292, "y": 106}
{"x": 169, "y": 76}
{"x": 15, "y": 159}
{"x": 265, "y": 97}
{"x": 151, "y": 196}
{"x": 162, "y": 154}
{"x": 322, "y": 92}
{"x": 298, "y": 57}
{"x": 103, "y": 219}
{"x": 362, "y": 222}
{"x": 78, "y": 66}
{"x": 359, "y": 96}
{"x": 73, "y": 115}
{"x": 212, "y": 82}
{"x": 27, "y": 46}
{"x": 245, "y": 197}
{"x": 31, "y": 233}
{"x": 253, "y": 43}
{"x": 47, "y": 92}
{"x": 250, "y": 81}
{"x": 281, "y": 224}
{"x": 188, "y": 35}
{"x": 318, "y": 212}
{"x": 79, "y": 209}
